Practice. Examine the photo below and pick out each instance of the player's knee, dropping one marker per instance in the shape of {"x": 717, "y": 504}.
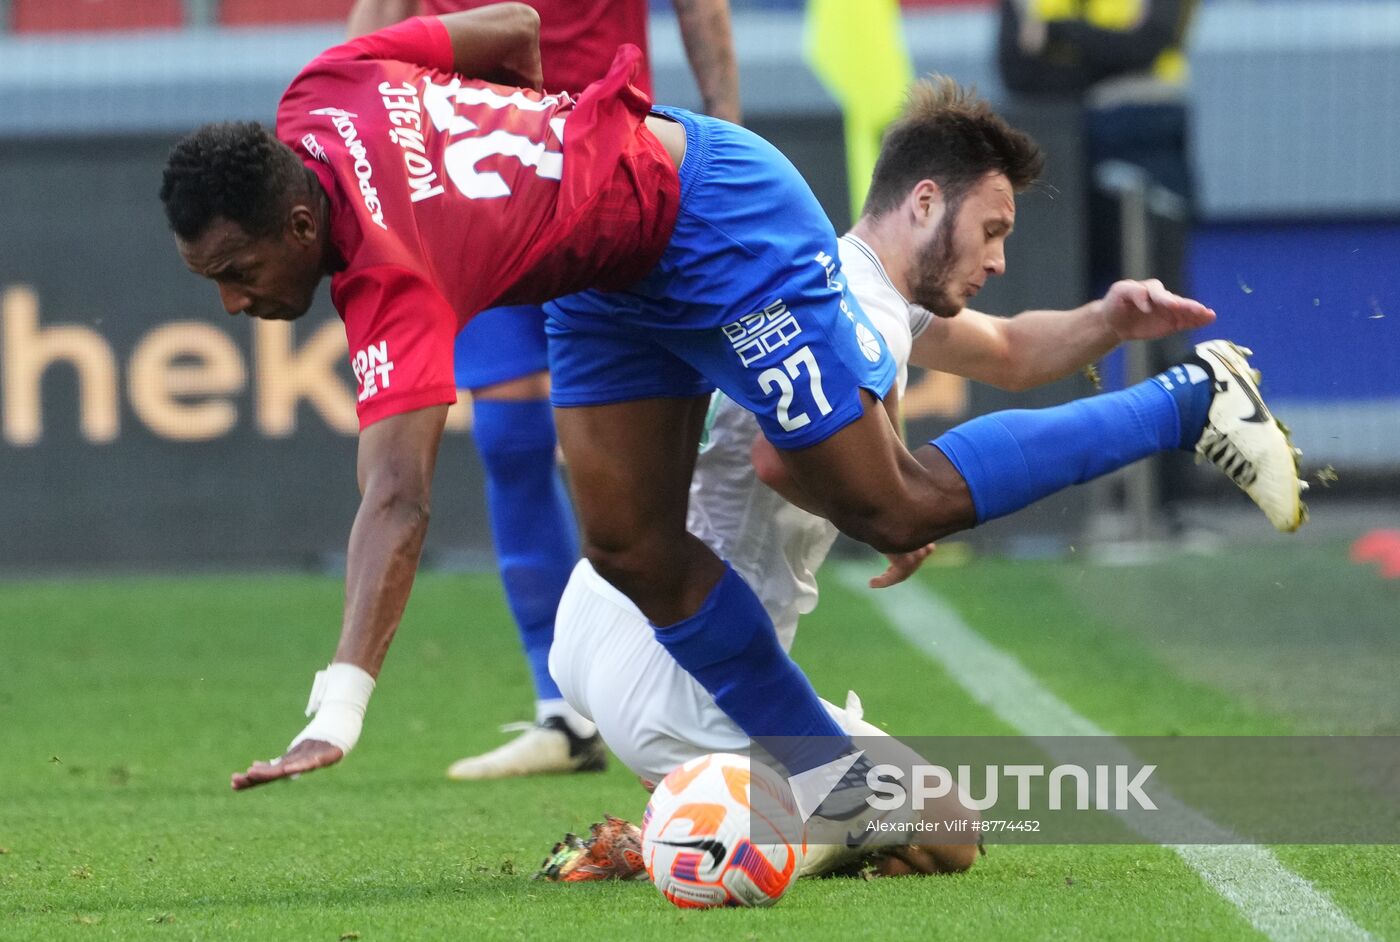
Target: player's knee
{"x": 625, "y": 563}
{"x": 768, "y": 465}
{"x": 515, "y": 438}
{"x": 887, "y": 530}
{"x": 532, "y": 387}
{"x": 402, "y": 502}
{"x": 902, "y": 524}
{"x": 609, "y": 562}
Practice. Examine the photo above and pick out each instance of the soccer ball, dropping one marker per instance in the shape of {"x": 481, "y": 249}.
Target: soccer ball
{"x": 705, "y": 845}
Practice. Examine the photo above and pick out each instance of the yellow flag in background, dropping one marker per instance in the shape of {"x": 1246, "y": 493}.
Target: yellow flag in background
{"x": 856, "y": 47}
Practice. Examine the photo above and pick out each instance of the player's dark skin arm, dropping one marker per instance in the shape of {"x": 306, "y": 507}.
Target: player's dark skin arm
{"x": 504, "y": 38}
{"x": 395, "y": 468}
{"x": 709, "y": 47}
{"x": 367, "y": 16}
{"x": 499, "y": 43}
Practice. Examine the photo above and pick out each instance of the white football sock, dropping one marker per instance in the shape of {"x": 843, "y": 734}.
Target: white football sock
{"x": 558, "y": 706}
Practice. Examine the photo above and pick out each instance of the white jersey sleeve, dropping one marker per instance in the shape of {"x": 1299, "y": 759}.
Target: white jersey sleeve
{"x": 898, "y": 321}
{"x": 775, "y": 546}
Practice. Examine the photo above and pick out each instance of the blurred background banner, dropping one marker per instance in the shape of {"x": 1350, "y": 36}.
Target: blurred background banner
{"x": 139, "y": 425}
{"x": 857, "y": 49}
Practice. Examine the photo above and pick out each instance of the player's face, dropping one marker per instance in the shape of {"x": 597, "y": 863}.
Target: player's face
{"x": 271, "y": 277}
{"x": 965, "y": 248}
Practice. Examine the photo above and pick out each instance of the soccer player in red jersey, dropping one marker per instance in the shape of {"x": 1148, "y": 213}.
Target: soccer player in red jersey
{"x": 682, "y": 253}
{"x": 501, "y": 360}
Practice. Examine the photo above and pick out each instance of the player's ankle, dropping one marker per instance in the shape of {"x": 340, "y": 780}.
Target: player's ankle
{"x": 578, "y": 724}
{"x": 1190, "y": 387}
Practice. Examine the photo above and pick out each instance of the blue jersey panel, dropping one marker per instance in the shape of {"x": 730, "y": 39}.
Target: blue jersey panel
{"x": 500, "y": 344}
{"x": 749, "y": 295}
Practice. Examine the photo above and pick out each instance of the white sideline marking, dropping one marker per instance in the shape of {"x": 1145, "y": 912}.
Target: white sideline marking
{"x": 1276, "y": 901}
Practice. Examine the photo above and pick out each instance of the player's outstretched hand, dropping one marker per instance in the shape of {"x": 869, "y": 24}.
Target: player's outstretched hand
{"x": 902, "y": 566}
{"x": 1145, "y": 310}
{"x": 306, "y": 756}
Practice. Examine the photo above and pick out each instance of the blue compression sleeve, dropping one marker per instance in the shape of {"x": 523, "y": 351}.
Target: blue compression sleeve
{"x": 731, "y": 648}
{"x": 1012, "y": 459}
{"x": 532, "y": 523}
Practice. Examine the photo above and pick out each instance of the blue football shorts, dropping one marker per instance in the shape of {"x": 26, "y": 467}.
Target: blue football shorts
{"x": 748, "y": 298}
{"x": 500, "y": 344}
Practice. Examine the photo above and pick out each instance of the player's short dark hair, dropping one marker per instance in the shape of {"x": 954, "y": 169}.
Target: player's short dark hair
{"x": 949, "y": 135}
{"x": 234, "y": 169}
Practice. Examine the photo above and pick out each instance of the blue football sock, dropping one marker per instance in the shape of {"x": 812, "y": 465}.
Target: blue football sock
{"x": 731, "y": 648}
{"x": 1190, "y": 385}
{"x": 1012, "y": 459}
{"x": 532, "y": 523}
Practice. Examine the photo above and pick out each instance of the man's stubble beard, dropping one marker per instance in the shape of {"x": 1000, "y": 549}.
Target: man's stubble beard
{"x": 932, "y": 267}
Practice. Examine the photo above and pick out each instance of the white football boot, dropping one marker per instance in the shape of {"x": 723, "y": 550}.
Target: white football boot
{"x": 1243, "y": 439}
{"x": 547, "y": 747}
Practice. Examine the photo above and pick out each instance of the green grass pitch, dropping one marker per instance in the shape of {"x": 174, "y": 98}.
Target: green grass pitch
{"x": 124, "y": 706}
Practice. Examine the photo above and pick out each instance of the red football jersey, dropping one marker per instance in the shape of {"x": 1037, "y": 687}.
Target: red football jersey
{"x": 578, "y": 38}
{"x": 450, "y": 195}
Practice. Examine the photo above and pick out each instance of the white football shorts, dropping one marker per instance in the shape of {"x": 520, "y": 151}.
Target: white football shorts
{"x": 652, "y": 714}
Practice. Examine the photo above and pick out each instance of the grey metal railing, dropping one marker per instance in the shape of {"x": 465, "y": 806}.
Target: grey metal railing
{"x": 1140, "y": 199}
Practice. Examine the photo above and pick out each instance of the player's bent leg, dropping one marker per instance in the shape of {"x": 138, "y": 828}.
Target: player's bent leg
{"x": 654, "y": 716}
{"x": 1209, "y": 403}
{"x": 630, "y": 465}
{"x": 887, "y": 853}
{"x": 999, "y": 463}
{"x": 868, "y": 484}
{"x": 747, "y": 296}
{"x": 651, "y": 713}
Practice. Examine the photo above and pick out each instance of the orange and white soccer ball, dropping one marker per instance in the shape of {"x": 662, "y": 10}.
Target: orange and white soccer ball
{"x": 720, "y": 833}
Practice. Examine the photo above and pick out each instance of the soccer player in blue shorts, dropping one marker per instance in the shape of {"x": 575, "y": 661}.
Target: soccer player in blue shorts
{"x": 687, "y": 254}
{"x": 501, "y": 360}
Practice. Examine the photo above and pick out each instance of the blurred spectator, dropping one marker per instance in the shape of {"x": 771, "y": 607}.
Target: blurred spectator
{"x": 1124, "y": 61}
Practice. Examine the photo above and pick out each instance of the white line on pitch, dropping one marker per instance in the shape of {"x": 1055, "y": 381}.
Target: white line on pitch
{"x": 1275, "y": 900}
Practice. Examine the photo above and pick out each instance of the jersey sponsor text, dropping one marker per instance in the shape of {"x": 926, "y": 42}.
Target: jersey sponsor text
{"x": 363, "y": 169}
{"x": 756, "y": 335}
{"x": 372, "y": 367}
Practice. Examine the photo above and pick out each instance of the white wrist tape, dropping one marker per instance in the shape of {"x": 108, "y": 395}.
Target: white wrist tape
{"x": 339, "y": 696}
